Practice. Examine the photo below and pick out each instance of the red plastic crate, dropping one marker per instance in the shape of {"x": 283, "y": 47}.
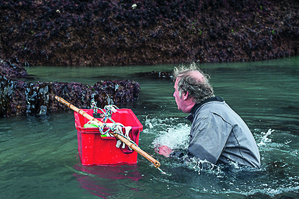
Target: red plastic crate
{"x": 95, "y": 149}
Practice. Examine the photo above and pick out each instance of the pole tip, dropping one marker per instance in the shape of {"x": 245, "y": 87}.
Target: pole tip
{"x": 157, "y": 164}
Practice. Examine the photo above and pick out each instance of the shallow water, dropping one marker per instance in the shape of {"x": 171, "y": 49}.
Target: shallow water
{"x": 39, "y": 156}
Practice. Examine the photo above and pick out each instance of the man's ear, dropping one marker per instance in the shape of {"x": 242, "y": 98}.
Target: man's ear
{"x": 185, "y": 95}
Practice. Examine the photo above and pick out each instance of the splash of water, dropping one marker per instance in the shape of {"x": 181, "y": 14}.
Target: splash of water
{"x": 265, "y": 138}
{"x": 174, "y": 137}
{"x": 204, "y": 166}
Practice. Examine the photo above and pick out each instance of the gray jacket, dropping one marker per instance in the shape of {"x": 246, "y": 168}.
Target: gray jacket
{"x": 219, "y": 135}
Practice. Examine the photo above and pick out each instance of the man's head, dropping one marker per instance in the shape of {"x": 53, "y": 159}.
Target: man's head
{"x": 191, "y": 87}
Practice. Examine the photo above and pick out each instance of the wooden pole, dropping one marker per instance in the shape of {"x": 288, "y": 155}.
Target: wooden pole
{"x": 121, "y": 138}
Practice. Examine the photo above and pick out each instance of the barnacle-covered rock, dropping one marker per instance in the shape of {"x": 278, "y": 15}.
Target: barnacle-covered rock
{"x": 101, "y": 32}
{"x": 11, "y": 69}
{"x": 19, "y": 97}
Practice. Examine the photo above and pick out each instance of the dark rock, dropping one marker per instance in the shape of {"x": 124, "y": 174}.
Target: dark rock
{"x": 19, "y": 98}
{"x": 37, "y": 25}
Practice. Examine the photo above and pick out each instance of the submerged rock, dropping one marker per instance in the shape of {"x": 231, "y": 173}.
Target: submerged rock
{"x": 157, "y": 75}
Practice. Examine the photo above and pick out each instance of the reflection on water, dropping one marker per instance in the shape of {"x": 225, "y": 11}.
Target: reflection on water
{"x": 39, "y": 155}
{"x": 100, "y": 180}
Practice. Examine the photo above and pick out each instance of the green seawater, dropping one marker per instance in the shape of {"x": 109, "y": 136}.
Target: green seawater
{"x": 39, "y": 154}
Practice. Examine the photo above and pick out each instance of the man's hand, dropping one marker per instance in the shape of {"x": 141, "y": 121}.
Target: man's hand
{"x": 164, "y": 150}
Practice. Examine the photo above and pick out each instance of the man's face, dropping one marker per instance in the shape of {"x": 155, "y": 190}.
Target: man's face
{"x": 179, "y": 101}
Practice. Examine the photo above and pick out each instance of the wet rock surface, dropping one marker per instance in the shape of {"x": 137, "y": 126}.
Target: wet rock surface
{"x": 128, "y": 32}
{"x": 20, "y": 98}
{"x": 11, "y": 70}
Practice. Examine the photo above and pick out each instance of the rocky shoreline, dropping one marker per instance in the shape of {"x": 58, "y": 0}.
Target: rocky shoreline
{"x": 129, "y": 32}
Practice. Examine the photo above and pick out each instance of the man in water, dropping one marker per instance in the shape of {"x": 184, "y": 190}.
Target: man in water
{"x": 218, "y": 134}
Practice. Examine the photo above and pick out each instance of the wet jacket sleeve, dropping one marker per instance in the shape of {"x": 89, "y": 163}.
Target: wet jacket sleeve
{"x": 208, "y": 137}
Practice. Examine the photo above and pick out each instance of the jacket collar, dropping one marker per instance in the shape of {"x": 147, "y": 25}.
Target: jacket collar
{"x": 190, "y": 117}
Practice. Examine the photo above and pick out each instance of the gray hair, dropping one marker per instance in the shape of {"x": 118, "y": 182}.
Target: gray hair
{"x": 199, "y": 90}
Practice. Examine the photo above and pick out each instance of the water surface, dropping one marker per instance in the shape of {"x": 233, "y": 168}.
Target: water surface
{"x": 39, "y": 156}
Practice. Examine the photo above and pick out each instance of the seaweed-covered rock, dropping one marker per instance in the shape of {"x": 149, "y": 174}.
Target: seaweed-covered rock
{"x": 20, "y": 98}
{"x": 101, "y": 32}
{"x": 12, "y": 70}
